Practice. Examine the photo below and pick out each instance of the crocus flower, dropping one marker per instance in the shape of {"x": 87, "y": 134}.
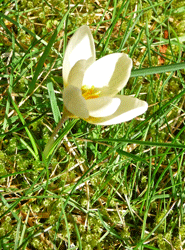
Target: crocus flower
{"x": 91, "y": 87}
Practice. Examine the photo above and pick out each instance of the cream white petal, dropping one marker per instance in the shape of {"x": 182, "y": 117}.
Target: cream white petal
{"x": 80, "y": 47}
{"x": 102, "y": 106}
{"x": 128, "y": 109}
{"x": 74, "y": 102}
{"x": 109, "y": 74}
{"x": 76, "y": 74}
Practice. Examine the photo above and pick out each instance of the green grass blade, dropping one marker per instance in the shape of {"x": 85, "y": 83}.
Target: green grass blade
{"x": 146, "y": 143}
{"x": 53, "y": 101}
{"x": 17, "y": 234}
{"x": 46, "y": 52}
{"x": 157, "y": 69}
{"x": 36, "y": 153}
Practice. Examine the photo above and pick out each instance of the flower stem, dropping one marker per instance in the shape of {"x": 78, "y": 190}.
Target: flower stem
{"x": 54, "y": 135}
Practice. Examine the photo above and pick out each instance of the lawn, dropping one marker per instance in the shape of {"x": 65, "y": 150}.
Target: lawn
{"x": 98, "y": 187}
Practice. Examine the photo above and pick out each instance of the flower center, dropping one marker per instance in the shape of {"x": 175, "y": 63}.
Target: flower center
{"x": 89, "y": 93}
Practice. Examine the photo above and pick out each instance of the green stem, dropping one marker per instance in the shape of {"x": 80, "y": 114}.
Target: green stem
{"x": 54, "y": 136}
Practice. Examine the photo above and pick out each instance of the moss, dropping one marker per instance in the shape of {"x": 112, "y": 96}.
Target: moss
{"x": 158, "y": 219}
{"x": 164, "y": 241}
{"x": 6, "y": 225}
{"x": 37, "y": 244}
{"x": 3, "y": 170}
{"x": 182, "y": 232}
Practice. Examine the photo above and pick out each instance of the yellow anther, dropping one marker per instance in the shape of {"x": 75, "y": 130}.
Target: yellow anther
{"x": 90, "y": 93}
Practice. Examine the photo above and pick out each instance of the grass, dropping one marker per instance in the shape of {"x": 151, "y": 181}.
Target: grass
{"x": 102, "y": 187}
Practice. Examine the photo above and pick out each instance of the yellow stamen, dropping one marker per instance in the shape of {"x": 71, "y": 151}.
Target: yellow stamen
{"x": 89, "y": 93}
